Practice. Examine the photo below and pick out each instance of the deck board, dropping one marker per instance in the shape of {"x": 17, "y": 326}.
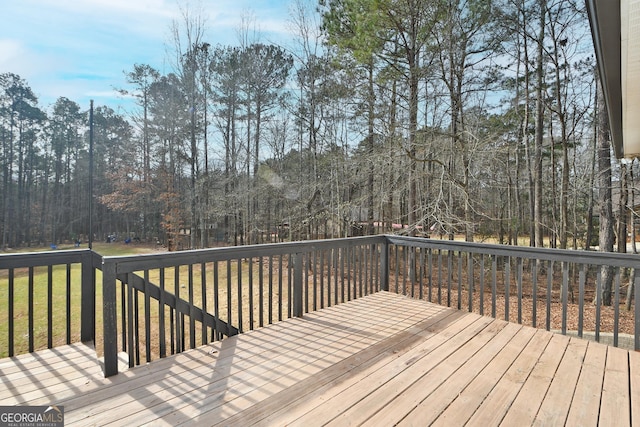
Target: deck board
{"x": 537, "y": 384}
{"x": 557, "y": 402}
{"x": 462, "y": 408}
{"x": 383, "y": 359}
{"x": 428, "y": 410}
{"x": 586, "y": 401}
{"x": 615, "y": 403}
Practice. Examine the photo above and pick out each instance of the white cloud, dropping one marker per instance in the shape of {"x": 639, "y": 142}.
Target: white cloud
{"x": 9, "y": 49}
{"x": 80, "y": 49}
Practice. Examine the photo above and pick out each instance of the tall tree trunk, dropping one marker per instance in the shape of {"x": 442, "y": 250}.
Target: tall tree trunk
{"x": 622, "y": 209}
{"x": 604, "y": 198}
{"x": 592, "y": 180}
{"x": 370, "y": 150}
{"x": 539, "y": 238}
{"x": 525, "y": 134}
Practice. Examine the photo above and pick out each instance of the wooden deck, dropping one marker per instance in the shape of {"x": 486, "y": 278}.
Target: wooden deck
{"x": 379, "y": 360}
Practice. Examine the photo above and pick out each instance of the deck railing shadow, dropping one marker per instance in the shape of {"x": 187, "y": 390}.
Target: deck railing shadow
{"x": 151, "y": 306}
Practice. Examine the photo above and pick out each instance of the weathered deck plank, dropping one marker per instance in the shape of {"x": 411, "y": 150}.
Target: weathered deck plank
{"x": 435, "y": 404}
{"x": 615, "y": 403}
{"x": 586, "y": 399}
{"x": 634, "y": 385}
{"x": 470, "y": 399}
{"x": 382, "y": 397}
{"x": 524, "y": 409}
{"x": 557, "y": 401}
{"x": 380, "y": 360}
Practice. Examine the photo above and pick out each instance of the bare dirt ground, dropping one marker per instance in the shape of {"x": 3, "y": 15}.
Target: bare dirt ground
{"x": 550, "y": 317}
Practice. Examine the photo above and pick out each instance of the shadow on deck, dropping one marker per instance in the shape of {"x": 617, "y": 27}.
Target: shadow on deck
{"x": 379, "y": 360}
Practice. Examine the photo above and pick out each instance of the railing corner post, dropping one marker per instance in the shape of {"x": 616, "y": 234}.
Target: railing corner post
{"x": 384, "y": 266}
{"x": 110, "y": 325}
{"x": 88, "y": 299}
{"x": 297, "y": 285}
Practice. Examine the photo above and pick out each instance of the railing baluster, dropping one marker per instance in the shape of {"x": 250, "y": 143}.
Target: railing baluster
{"x": 430, "y": 273}
{"x": 314, "y": 269}
{"x": 305, "y": 282}
{"x": 581, "y": 282}
{"x": 406, "y": 266}
{"x": 519, "y": 274}
{"x": 49, "y": 306}
{"x": 250, "y": 262}
{"x": 31, "y": 313}
{"x": 421, "y": 267}
{"x": 365, "y": 285}
{"x": 507, "y": 286}
{"x": 616, "y": 308}
{"x": 357, "y": 276}
{"x": 10, "y": 304}
{"x": 161, "y": 316}
{"x": 172, "y": 329}
{"x": 534, "y": 292}
{"x": 482, "y": 284}
{"x": 239, "y": 295}
{"x": 270, "y": 298}
{"x": 549, "y": 289}
{"x": 203, "y": 291}
{"x": 229, "y": 290}
{"x": 290, "y": 265}
{"x": 396, "y": 249}
{"x": 147, "y": 316}
{"x": 598, "y": 300}
{"x": 123, "y": 316}
{"x": 216, "y": 298}
{"x": 352, "y": 271}
{"x": 460, "y": 280}
{"x": 565, "y": 295}
{"x": 494, "y": 284}
{"x": 350, "y": 265}
{"x": 470, "y": 280}
{"x": 280, "y": 278}
{"x": 261, "y": 291}
{"x": 322, "y": 267}
{"x": 440, "y": 276}
{"x": 341, "y": 251}
{"x": 449, "y": 276}
{"x": 330, "y": 275}
{"x": 132, "y": 344}
{"x": 298, "y": 261}
{"x": 68, "y": 305}
{"x": 176, "y": 287}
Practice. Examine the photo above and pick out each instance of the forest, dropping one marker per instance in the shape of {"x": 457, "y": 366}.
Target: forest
{"x": 478, "y": 119}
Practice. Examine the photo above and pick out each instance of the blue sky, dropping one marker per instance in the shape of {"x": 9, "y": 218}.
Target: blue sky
{"x": 80, "y": 48}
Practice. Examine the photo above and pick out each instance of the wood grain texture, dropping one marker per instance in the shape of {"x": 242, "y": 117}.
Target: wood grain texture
{"x": 383, "y": 359}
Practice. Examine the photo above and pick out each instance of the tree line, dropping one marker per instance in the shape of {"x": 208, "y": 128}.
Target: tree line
{"x": 474, "y": 117}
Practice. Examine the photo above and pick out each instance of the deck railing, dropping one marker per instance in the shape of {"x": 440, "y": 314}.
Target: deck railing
{"x": 47, "y": 299}
{"x": 553, "y": 289}
{"x": 150, "y": 306}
